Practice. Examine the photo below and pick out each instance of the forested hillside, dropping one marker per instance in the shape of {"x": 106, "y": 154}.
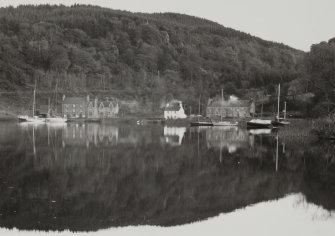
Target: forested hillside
{"x": 320, "y": 77}
{"x": 147, "y": 57}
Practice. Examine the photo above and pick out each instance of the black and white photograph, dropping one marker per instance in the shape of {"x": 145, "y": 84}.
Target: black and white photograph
{"x": 167, "y": 117}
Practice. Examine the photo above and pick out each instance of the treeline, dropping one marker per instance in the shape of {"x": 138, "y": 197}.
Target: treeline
{"x": 320, "y": 77}
{"x": 150, "y": 57}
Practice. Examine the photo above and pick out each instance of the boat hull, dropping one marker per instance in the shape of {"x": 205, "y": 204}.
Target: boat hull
{"x": 280, "y": 123}
{"x": 29, "y": 119}
{"x": 55, "y": 120}
{"x": 259, "y": 124}
{"x": 225, "y": 123}
{"x": 201, "y": 123}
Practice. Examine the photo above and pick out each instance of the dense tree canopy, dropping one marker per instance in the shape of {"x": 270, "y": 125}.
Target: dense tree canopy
{"x": 151, "y": 56}
{"x": 320, "y": 68}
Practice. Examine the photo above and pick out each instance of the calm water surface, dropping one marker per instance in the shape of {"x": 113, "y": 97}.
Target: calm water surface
{"x": 89, "y": 177}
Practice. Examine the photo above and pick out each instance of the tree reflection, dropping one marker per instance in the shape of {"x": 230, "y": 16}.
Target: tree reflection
{"x": 90, "y": 176}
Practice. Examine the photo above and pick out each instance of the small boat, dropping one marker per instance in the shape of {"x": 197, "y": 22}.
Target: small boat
{"x": 259, "y": 123}
{"x": 52, "y": 117}
{"x": 225, "y": 123}
{"x": 280, "y": 122}
{"x": 55, "y": 119}
{"x": 33, "y": 118}
{"x": 201, "y": 123}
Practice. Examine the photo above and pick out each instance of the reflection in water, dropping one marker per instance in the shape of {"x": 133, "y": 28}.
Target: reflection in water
{"x": 228, "y": 137}
{"x": 90, "y": 134}
{"x": 174, "y": 135}
{"x": 91, "y": 176}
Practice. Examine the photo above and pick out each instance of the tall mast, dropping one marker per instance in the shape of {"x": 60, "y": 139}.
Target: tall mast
{"x": 199, "y": 105}
{"x": 221, "y": 102}
{"x": 49, "y": 107}
{"x": 56, "y": 100}
{"x": 34, "y": 99}
{"x": 285, "y": 110}
{"x": 278, "y": 99}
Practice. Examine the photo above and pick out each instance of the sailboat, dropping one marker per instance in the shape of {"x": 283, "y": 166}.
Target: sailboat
{"x": 259, "y": 123}
{"x": 54, "y": 118}
{"x": 203, "y": 122}
{"x": 280, "y": 121}
{"x": 33, "y": 118}
{"x": 221, "y": 122}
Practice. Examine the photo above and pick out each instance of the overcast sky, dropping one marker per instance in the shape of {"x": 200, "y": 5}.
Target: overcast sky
{"x": 297, "y": 23}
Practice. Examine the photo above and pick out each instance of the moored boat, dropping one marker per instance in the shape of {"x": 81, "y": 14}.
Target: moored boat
{"x": 259, "y": 123}
{"x": 34, "y": 119}
{"x": 55, "y": 119}
{"x": 201, "y": 123}
{"x": 280, "y": 122}
{"x": 224, "y": 123}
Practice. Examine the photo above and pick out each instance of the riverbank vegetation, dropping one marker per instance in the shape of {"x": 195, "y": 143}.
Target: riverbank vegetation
{"x": 149, "y": 58}
{"x": 152, "y": 58}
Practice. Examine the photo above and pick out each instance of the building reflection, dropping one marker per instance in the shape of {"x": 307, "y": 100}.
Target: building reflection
{"x": 230, "y": 138}
{"x": 90, "y": 134}
{"x": 173, "y": 135}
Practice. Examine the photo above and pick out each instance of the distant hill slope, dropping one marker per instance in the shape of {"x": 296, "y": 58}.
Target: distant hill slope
{"x": 149, "y": 57}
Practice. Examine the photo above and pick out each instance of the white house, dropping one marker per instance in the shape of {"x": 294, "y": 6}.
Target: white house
{"x": 174, "y": 110}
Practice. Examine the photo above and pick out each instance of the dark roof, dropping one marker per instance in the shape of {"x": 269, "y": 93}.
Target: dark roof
{"x": 175, "y": 106}
{"x": 75, "y": 100}
{"x": 216, "y": 102}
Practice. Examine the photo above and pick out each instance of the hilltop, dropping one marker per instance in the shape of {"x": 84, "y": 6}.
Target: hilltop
{"x": 144, "y": 57}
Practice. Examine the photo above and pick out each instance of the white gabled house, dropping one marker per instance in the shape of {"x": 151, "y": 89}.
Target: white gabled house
{"x": 174, "y": 110}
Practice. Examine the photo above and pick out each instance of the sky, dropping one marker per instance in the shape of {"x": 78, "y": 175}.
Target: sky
{"x": 297, "y": 23}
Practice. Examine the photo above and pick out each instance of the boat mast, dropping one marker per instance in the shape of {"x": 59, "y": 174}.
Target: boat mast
{"x": 221, "y": 102}
{"x": 34, "y": 99}
{"x": 285, "y": 110}
{"x": 56, "y": 100}
{"x": 278, "y": 100}
{"x": 48, "y": 107}
{"x": 277, "y": 147}
{"x": 199, "y": 105}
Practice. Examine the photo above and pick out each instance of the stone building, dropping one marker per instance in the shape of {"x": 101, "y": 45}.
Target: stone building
{"x": 74, "y": 107}
{"x": 86, "y": 108}
{"x": 231, "y": 108}
{"x": 108, "y": 108}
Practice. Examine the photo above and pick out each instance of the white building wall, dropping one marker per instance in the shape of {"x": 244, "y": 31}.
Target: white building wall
{"x": 180, "y": 114}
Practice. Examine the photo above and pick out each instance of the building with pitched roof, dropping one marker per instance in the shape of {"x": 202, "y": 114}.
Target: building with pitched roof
{"x": 231, "y": 108}
{"x": 174, "y": 110}
{"x": 86, "y": 108}
{"x": 108, "y": 108}
{"x": 74, "y": 107}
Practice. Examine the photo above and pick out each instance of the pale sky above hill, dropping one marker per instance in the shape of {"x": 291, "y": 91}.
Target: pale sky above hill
{"x": 297, "y": 23}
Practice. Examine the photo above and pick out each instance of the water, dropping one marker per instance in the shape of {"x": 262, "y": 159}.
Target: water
{"x": 89, "y": 177}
